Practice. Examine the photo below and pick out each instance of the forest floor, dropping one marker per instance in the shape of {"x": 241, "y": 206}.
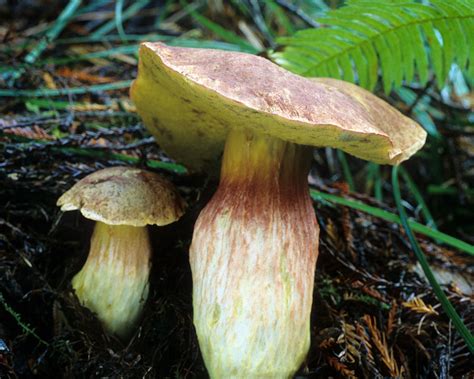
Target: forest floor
{"x": 69, "y": 114}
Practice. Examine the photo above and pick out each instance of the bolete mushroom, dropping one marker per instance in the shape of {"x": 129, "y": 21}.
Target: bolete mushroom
{"x": 122, "y": 200}
{"x": 255, "y": 244}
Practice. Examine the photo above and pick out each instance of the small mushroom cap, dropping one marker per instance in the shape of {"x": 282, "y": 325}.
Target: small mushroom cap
{"x": 124, "y": 196}
{"x": 190, "y": 98}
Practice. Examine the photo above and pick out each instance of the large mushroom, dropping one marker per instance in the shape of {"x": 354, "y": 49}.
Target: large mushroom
{"x": 255, "y": 244}
{"x": 113, "y": 282}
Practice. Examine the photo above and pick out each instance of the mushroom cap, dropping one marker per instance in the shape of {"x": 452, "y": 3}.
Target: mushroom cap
{"x": 190, "y": 98}
{"x": 124, "y": 196}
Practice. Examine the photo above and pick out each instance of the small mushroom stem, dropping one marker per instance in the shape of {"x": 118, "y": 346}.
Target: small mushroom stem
{"x": 114, "y": 280}
{"x": 253, "y": 258}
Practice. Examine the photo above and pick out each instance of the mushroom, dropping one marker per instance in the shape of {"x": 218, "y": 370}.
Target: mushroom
{"x": 122, "y": 200}
{"x": 255, "y": 244}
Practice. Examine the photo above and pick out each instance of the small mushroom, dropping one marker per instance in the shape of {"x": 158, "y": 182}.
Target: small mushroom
{"x": 255, "y": 244}
{"x": 122, "y": 200}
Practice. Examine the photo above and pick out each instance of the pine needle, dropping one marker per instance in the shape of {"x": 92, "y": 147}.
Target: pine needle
{"x": 55, "y": 30}
{"x": 419, "y": 306}
{"x": 352, "y": 343}
{"x": 380, "y": 341}
{"x": 341, "y": 368}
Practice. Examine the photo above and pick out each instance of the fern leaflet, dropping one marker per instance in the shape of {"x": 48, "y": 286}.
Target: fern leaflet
{"x": 396, "y": 38}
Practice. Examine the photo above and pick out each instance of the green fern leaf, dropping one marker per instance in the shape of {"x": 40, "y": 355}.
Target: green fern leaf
{"x": 396, "y": 39}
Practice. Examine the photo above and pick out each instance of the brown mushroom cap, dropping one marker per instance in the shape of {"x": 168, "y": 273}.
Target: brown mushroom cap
{"x": 124, "y": 196}
{"x": 190, "y": 98}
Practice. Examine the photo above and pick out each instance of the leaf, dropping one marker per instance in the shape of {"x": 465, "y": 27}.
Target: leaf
{"x": 398, "y": 40}
{"x": 388, "y": 216}
{"x": 462, "y": 329}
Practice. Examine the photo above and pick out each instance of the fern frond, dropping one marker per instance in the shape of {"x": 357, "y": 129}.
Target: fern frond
{"x": 398, "y": 38}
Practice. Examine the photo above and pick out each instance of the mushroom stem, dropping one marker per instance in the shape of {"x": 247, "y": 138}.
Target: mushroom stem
{"x": 253, "y": 258}
{"x": 114, "y": 280}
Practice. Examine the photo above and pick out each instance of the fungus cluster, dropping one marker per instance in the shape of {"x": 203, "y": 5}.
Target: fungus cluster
{"x": 113, "y": 282}
{"x": 255, "y": 244}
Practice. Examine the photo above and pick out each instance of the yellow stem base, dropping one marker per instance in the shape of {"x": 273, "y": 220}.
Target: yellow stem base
{"x": 114, "y": 280}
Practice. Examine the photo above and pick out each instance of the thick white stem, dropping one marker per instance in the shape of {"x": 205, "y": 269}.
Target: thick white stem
{"x": 253, "y": 258}
{"x": 114, "y": 280}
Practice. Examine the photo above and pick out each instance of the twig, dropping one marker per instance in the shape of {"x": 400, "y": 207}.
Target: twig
{"x": 43, "y": 92}
{"x": 101, "y": 154}
{"x": 44, "y": 120}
